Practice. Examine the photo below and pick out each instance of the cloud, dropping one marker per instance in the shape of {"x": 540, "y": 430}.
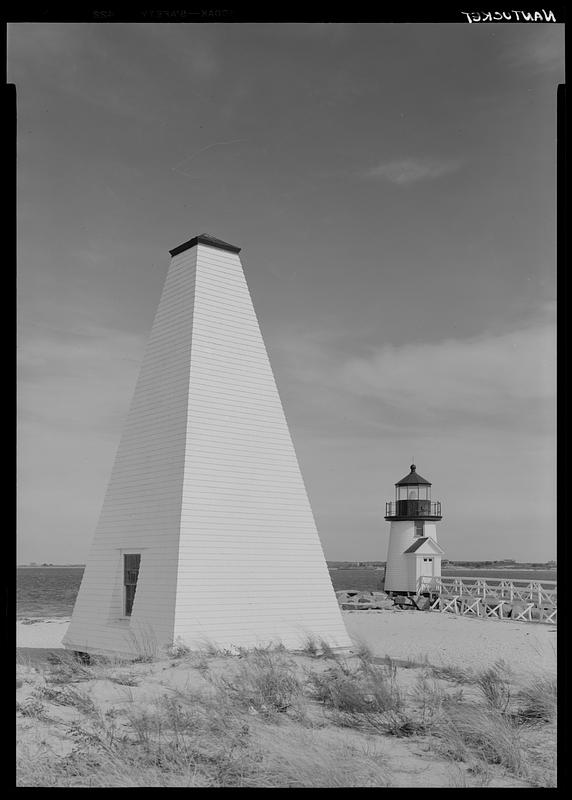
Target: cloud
{"x": 410, "y": 170}
{"x": 508, "y": 375}
{"x": 474, "y": 414}
{"x": 422, "y": 399}
{"x": 356, "y": 421}
{"x": 346, "y": 386}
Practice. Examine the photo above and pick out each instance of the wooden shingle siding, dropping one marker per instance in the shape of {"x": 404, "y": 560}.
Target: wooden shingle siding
{"x": 206, "y": 485}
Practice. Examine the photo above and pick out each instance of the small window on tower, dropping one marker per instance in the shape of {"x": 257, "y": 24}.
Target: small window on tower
{"x": 419, "y": 523}
{"x": 131, "y": 563}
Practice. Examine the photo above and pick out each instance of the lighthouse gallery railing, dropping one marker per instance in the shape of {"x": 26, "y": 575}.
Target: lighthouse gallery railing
{"x": 413, "y": 508}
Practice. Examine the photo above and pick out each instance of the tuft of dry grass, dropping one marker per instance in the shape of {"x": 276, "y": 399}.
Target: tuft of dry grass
{"x": 198, "y": 730}
{"x": 478, "y": 774}
{"x": 65, "y": 669}
{"x": 495, "y": 687}
{"x": 430, "y": 700}
{"x": 178, "y": 649}
{"x": 67, "y": 696}
{"x": 200, "y": 662}
{"x": 31, "y": 707}
{"x": 449, "y": 672}
{"x": 94, "y": 765}
{"x": 467, "y": 732}
{"x": 364, "y": 652}
{"x": 124, "y": 679}
{"x": 265, "y": 681}
{"x": 365, "y": 696}
{"x": 307, "y": 758}
{"x": 327, "y": 650}
{"x": 538, "y": 700}
{"x": 310, "y": 646}
{"x": 210, "y": 648}
{"x": 271, "y": 647}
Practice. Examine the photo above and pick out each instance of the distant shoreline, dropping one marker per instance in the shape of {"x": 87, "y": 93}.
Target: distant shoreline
{"x": 50, "y": 566}
{"x": 505, "y": 568}
{"x": 502, "y": 569}
{"x": 465, "y": 567}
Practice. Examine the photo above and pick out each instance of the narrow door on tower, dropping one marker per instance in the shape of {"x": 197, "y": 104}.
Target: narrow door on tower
{"x": 131, "y": 563}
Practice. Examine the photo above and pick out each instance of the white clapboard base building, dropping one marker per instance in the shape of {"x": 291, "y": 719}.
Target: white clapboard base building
{"x": 206, "y": 534}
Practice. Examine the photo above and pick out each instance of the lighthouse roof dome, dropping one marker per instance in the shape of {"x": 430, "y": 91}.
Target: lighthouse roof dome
{"x": 413, "y": 478}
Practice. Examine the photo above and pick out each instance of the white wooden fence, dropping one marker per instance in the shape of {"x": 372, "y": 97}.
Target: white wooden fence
{"x": 492, "y": 597}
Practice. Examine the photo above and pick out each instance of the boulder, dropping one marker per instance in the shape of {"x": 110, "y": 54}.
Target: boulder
{"x": 514, "y": 609}
{"x": 402, "y": 600}
{"x": 423, "y": 603}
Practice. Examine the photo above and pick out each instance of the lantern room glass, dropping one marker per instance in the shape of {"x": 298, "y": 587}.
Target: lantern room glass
{"x": 413, "y": 492}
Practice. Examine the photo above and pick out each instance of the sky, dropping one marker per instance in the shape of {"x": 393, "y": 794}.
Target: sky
{"x": 392, "y": 187}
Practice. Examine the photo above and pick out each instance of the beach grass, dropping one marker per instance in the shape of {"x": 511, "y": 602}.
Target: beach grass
{"x": 494, "y": 684}
{"x": 263, "y": 681}
{"x": 538, "y": 699}
{"x": 265, "y": 717}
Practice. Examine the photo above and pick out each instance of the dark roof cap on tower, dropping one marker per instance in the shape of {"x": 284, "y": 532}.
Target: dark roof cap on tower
{"x": 205, "y": 238}
{"x": 413, "y": 477}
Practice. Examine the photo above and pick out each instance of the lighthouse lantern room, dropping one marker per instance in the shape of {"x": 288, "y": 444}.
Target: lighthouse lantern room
{"x": 413, "y": 552}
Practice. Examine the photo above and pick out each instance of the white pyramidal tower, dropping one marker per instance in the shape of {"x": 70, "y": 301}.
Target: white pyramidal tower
{"x": 206, "y": 534}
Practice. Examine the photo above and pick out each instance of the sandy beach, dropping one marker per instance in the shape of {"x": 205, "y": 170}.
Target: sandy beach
{"x": 455, "y": 640}
{"x": 439, "y": 638}
{"x": 58, "y": 703}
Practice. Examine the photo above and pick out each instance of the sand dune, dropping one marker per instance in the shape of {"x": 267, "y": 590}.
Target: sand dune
{"x": 56, "y": 701}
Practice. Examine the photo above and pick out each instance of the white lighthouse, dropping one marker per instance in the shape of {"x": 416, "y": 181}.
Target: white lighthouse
{"x": 206, "y": 533}
{"x": 413, "y": 551}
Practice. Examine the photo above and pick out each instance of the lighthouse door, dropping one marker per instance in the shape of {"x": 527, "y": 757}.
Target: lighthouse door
{"x": 426, "y": 566}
